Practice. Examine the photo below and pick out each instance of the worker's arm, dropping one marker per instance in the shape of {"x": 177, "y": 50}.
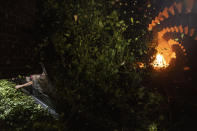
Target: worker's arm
{"x": 24, "y": 85}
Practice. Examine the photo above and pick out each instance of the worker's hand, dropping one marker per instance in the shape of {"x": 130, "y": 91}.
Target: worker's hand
{"x": 18, "y": 86}
{"x": 24, "y": 85}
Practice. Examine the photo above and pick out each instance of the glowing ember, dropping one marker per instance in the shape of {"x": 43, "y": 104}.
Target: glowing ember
{"x": 159, "y": 62}
{"x": 186, "y": 68}
{"x": 141, "y": 65}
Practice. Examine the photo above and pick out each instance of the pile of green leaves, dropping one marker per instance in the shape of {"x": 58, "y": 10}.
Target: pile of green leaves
{"x": 93, "y": 67}
{"x": 19, "y": 111}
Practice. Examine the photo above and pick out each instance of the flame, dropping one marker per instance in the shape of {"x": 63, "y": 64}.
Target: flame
{"x": 171, "y": 10}
{"x": 160, "y": 62}
{"x": 192, "y": 31}
{"x": 181, "y": 28}
{"x": 165, "y": 51}
{"x": 186, "y": 30}
{"x": 141, "y": 65}
{"x": 164, "y": 54}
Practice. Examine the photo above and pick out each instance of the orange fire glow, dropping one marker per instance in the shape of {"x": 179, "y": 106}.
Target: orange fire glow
{"x": 186, "y": 30}
{"x": 181, "y": 28}
{"x": 164, "y": 48}
{"x": 165, "y": 12}
{"x": 141, "y": 65}
{"x": 164, "y": 53}
{"x": 171, "y": 10}
{"x": 192, "y": 32}
{"x": 160, "y": 62}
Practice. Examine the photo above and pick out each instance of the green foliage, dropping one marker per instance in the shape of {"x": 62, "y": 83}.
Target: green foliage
{"x": 153, "y": 127}
{"x": 19, "y": 111}
{"x": 92, "y": 66}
